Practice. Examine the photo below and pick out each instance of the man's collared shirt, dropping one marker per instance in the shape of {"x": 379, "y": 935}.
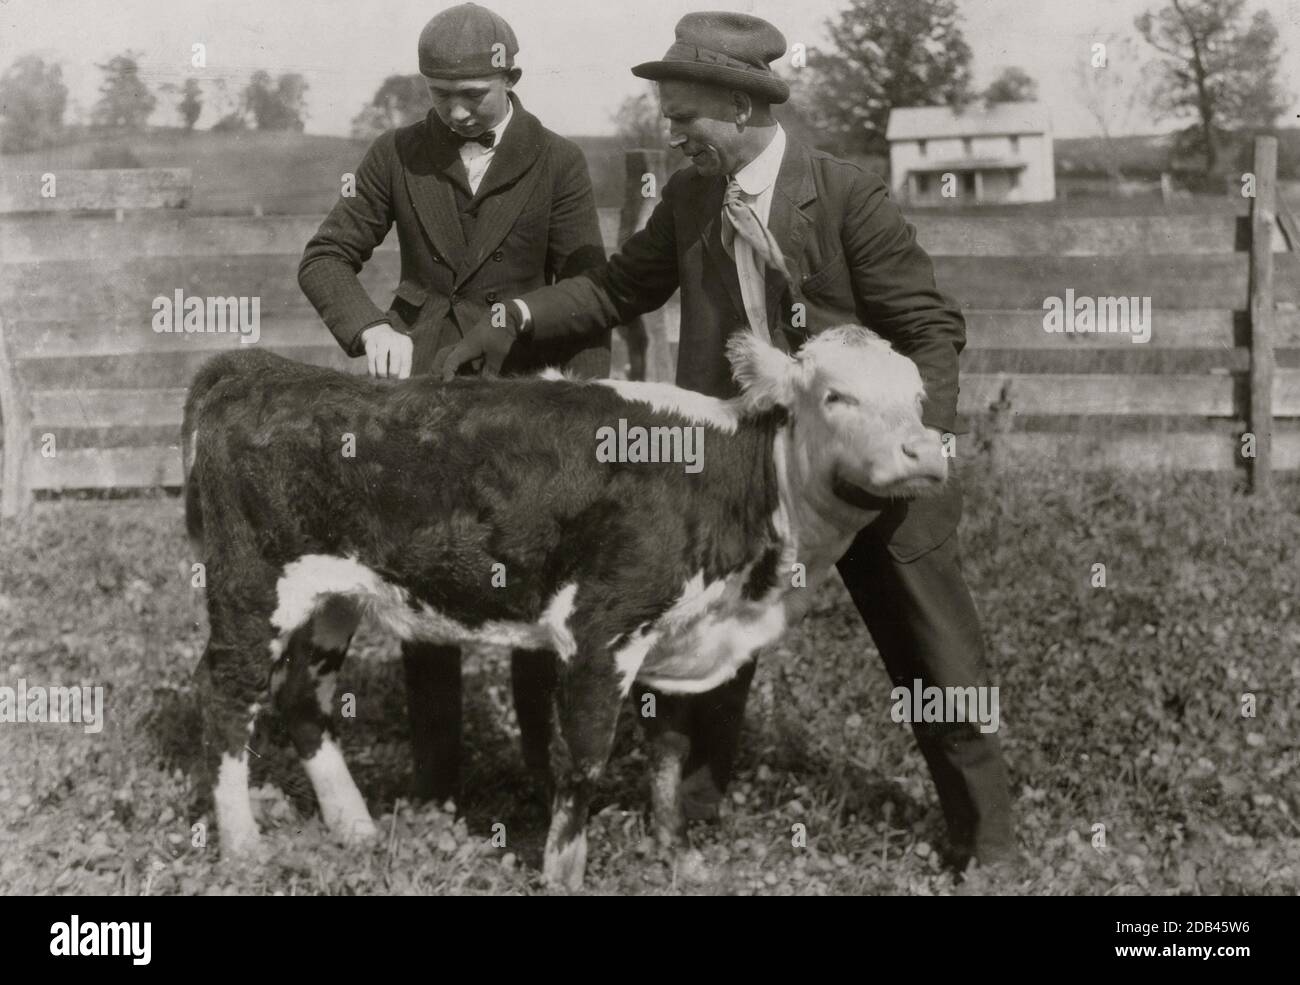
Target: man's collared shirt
{"x": 476, "y": 157}
{"x": 757, "y": 181}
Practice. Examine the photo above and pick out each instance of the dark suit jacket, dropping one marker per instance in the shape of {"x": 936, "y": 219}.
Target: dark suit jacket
{"x": 536, "y": 223}
{"x": 853, "y": 259}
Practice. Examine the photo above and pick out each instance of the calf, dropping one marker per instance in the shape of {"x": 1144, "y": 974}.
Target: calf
{"x": 496, "y": 511}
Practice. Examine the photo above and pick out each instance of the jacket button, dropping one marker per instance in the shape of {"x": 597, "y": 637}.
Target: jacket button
{"x": 490, "y": 297}
{"x": 499, "y": 255}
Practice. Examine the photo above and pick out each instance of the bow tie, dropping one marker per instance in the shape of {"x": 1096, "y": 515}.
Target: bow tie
{"x": 485, "y": 139}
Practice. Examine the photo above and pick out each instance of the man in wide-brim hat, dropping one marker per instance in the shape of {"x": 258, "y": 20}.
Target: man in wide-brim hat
{"x": 488, "y": 204}
{"x": 762, "y": 234}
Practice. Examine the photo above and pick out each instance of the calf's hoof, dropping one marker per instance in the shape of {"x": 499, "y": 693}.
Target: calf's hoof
{"x": 700, "y": 797}
{"x": 245, "y": 845}
{"x": 564, "y": 865}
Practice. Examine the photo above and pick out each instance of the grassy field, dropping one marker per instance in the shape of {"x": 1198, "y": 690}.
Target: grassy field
{"x": 1121, "y": 706}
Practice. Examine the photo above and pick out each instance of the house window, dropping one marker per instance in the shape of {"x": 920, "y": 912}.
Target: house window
{"x": 966, "y": 146}
{"x": 1015, "y": 179}
{"x": 920, "y": 147}
{"x": 1015, "y": 143}
{"x": 923, "y": 184}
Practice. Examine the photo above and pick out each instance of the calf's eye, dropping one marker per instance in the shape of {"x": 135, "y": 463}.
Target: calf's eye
{"x": 835, "y": 397}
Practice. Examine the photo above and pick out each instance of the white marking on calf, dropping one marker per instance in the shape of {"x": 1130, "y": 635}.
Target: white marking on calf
{"x": 709, "y": 633}
{"x": 556, "y": 618}
{"x": 667, "y": 398}
{"x": 325, "y": 685}
{"x": 234, "y": 808}
{"x": 341, "y": 803}
{"x": 629, "y": 658}
{"x": 314, "y": 580}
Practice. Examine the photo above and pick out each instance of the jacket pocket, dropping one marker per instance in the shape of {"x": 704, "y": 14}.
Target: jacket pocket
{"x": 835, "y": 266}
{"x": 411, "y": 293}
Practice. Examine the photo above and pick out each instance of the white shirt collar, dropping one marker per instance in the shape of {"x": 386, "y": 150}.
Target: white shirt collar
{"x": 760, "y": 174}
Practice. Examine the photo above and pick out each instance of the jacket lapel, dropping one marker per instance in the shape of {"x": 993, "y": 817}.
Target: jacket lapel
{"x": 710, "y": 207}
{"x": 789, "y": 223}
{"x": 505, "y": 189}
{"x": 433, "y": 167}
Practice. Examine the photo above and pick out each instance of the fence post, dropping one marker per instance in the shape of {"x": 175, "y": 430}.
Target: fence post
{"x": 15, "y": 496}
{"x": 659, "y": 362}
{"x": 1263, "y": 215}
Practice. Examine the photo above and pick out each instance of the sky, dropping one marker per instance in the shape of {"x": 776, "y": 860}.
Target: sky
{"x": 575, "y": 54}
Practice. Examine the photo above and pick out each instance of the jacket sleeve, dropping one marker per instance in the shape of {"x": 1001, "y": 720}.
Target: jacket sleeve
{"x": 344, "y": 242}
{"x": 640, "y": 277}
{"x": 893, "y": 281}
{"x": 574, "y": 244}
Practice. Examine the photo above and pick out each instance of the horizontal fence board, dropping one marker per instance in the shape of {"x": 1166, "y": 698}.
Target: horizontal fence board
{"x": 1043, "y": 394}
{"x": 943, "y": 235}
{"x": 108, "y": 468}
{"x": 1077, "y": 359}
{"x": 160, "y": 465}
{"x": 174, "y": 368}
{"x": 1173, "y": 283}
{"x": 1195, "y": 452}
{"x": 38, "y": 339}
{"x": 121, "y": 188}
{"x": 124, "y": 289}
{"x": 49, "y": 239}
{"x": 106, "y": 408}
{"x": 29, "y": 239}
{"x": 1059, "y": 393}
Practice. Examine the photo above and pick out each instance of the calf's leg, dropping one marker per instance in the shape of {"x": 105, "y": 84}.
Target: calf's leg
{"x": 533, "y": 679}
{"x": 231, "y": 680}
{"x": 668, "y": 732}
{"x": 303, "y": 689}
{"x": 587, "y": 704}
{"x": 433, "y": 701}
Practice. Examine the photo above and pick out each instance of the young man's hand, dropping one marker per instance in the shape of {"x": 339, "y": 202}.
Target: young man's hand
{"x": 491, "y": 338}
{"x": 388, "y": 351}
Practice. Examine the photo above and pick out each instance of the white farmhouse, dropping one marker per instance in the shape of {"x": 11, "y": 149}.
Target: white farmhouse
{"x": 998, "y": 153}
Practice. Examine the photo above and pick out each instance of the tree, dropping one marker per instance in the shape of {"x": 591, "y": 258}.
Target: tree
{"x": 278, "y": 106}
{"x": 33, "y": 99}
{"x": 1013, "y": 85}
{"x": 399, "y": 101}
{"x": 1110, "y": 88}
{"x": 639, "y": 122}
{"x": 191, "y": 104}
{"x": 1216, "y": 67}
{"x": 886, "y": 53}
{"x": 124, "y": 101}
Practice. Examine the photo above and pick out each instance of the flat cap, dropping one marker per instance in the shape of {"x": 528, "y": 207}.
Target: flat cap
{"x": 467, "y": 42}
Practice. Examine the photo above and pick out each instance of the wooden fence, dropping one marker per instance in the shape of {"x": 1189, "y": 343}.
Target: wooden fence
{"x": 91, "y": 395}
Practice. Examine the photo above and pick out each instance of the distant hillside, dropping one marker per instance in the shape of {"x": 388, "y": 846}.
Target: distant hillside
{"x": 283, "y": 172}
{"x": 1147, "y": 156}
{"x": 300, "y": 173}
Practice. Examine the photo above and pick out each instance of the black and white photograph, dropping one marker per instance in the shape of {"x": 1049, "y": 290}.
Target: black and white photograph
{"x": 823, "y": 448}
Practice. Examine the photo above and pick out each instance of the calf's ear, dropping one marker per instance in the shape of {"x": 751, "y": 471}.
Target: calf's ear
{"x": 767, "y": 376}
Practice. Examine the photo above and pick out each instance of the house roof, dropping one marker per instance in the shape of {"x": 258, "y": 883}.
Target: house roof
{"x": 969, "y": 164}
{"x": 977, "y": 120}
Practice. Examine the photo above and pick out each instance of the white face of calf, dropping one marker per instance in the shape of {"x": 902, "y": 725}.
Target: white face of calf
{"x": 856, "y": 405}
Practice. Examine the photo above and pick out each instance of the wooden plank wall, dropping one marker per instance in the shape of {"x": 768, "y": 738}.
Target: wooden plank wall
{"x": 76, "y": 336}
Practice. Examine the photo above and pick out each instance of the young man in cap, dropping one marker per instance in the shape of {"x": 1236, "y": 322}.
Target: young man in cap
{"x": 765, "y": 235}
{"x": 488, "y": 204}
